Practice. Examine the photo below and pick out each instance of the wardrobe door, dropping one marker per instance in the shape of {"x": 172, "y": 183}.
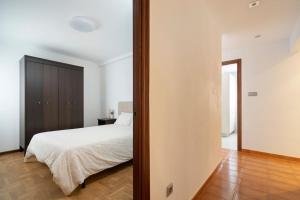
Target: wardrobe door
{"x": 70, "y": 98}
{"x": 77, "y": 98}
{"x": 33, "y": 100}
{"x": 65, "y": 97}
{"x": 50, "y": 98}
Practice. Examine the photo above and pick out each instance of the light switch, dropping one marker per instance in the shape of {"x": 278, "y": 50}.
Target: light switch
{"x": 252, "y": 94}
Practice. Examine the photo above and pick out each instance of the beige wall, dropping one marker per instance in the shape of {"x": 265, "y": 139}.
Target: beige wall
{"x": 185, "y": 59}
{"x": 270, "y": 120}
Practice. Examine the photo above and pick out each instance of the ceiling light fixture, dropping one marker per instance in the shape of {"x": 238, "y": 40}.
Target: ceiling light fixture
{"x": 254, "y": 4}
{"x": 83, "y": 24}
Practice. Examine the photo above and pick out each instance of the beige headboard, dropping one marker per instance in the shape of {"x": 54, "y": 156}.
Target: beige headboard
{"x": 125, "y": 106}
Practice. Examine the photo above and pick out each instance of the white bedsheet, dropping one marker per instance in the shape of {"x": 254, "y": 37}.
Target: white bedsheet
{"x": 73, "y": 155}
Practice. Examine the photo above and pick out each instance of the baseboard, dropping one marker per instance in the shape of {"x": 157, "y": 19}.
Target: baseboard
{"x": 11, "y": 151}
{"x": 207, "y": 180}
{"x": 271, "y": 155}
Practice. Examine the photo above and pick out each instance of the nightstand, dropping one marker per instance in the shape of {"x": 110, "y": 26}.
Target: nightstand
{"x": 105, "y": 121}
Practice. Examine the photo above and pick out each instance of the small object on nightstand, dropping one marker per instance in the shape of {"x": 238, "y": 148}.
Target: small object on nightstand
{"x": 105, "y": 121}
{"x": 111, "y": 113}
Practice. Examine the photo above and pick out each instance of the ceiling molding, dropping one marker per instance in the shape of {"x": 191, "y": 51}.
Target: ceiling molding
{"x": 116, "y": 59}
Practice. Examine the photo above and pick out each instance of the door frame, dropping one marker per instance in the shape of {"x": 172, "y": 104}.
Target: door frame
{"x": 239, "y": 100}
{"x": 141, "y": 154}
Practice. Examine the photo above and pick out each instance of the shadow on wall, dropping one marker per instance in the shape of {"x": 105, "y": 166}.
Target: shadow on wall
{"x": 116, "y": 84}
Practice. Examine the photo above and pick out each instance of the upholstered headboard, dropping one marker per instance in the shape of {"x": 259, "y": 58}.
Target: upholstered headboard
{"x": 125, "y": 106}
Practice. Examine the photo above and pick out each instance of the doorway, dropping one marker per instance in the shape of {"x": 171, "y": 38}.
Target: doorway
{"x": 67, "y": 25}
{"x": 141, "y": 154}
{"x": 231, "y": 132}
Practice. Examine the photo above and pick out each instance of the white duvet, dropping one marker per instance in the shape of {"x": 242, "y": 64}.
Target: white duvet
{"x": 75, "y": 154}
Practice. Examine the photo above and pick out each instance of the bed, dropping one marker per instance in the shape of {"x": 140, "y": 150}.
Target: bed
{"x": 73, "y": 155}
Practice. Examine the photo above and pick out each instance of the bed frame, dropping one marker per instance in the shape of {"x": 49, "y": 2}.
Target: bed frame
{"x": 123, "y": 106}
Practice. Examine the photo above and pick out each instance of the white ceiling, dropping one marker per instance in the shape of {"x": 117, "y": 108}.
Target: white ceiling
{"x": 273, "y": 19}
{"x": 45, "y": 23}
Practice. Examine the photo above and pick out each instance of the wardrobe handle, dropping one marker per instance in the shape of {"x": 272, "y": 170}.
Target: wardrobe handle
{"x": 39, "y": 102}
{"x": 47, "y": 102}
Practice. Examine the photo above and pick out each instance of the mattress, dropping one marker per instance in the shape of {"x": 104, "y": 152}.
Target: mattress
{"x": 73, "y": 155}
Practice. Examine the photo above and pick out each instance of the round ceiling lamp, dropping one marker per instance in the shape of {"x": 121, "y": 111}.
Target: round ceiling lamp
{"x": 83, "y": 24}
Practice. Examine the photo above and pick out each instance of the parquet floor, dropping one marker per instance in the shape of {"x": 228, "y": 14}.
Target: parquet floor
{"x": 241, "y": 176}
{"x": 251, "y": 176}
{"x": 30, "y": 181}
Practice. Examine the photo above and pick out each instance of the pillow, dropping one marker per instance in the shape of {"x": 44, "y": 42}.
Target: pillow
{"x": 124, "y": 119}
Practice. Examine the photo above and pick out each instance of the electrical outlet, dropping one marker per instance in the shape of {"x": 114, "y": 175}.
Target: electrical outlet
{"x": 169, "y": 189}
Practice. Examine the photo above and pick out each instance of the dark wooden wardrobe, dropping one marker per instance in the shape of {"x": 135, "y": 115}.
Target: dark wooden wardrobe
{"x": 51, "y": 97}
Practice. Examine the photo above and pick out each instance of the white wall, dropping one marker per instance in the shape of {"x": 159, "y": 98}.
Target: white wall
{"x": 9, "y": 87}
{"x": 116, "y": 84}
{"x": 185, "y": 80}
{"x": 229, "y": 102}
{"x": 270, "y": 120}
{"x": 225, "y": 117}
{"x": 233, "y": 101}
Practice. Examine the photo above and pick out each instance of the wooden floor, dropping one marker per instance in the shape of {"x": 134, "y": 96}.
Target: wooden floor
{"x": 30, "y": 181}
{"x": 241, "y": 176}
{"x": 249, "y": 176}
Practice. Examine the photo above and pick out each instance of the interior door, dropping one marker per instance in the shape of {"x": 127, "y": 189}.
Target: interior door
{"x": 33, "y": 100}
{"x": 50, "y": 98}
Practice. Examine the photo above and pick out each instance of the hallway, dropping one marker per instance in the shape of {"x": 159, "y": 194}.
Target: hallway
{"x": 252, "y": 176}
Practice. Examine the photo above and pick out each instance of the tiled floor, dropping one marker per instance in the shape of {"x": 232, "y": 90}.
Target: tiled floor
{"x": 249, "y": 176}
{"x": 33, "y": 181}
{"x": 230, "y": 142}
